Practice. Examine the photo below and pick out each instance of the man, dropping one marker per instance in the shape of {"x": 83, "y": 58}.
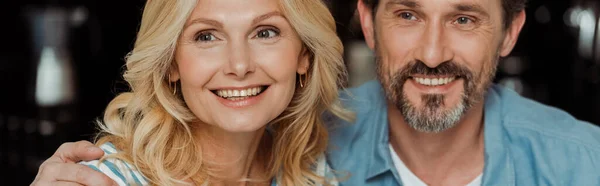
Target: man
{"x": 434, "y": 117}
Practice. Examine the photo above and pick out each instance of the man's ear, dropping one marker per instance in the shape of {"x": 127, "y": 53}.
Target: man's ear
{"x": 512, "y": 34}
{"x": 366, "y": 22}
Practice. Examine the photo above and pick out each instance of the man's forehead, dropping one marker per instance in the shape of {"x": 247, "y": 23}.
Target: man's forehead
{"x": 485, "y": 5}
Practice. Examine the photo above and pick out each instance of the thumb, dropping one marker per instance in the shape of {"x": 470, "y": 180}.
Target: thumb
{"x": 78, "y": 151}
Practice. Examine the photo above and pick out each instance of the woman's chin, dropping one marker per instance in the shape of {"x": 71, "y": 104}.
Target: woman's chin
{"x": 242, "y": 127}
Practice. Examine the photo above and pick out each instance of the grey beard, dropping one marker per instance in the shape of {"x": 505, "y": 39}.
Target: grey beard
{"x": 431, "y": 118}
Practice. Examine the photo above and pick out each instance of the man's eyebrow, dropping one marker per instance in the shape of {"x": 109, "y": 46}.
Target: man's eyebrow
{"x": 470, "y": 7}
{"x": 460, "y": 7}
{"x": 407, "y": 3}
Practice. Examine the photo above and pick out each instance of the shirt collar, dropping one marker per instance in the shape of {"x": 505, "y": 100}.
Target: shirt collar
{"x": 498, "y": 168}
{"x": 380, "y": 161}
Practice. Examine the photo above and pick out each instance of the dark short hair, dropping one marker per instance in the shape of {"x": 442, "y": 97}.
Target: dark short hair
{"x": 510, "y": 9}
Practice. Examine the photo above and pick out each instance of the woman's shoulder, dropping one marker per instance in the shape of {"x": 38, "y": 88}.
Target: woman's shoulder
{"x": 320, "y": 168}
{"x": 323, "y": 169}
{"x": 120, "y": 171}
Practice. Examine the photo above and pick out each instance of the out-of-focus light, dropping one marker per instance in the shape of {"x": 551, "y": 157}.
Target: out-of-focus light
{"x": 512, "y": 65}
{"x": 47, "y": 127}
{"x": 361, "y": 67}
{"x": 79, "y": 16}
{"x": 54, "y": 80}
{"x": 55, "y": 83}
{"x": 571, "y": 17}
{"x": 513, "y": 83}
{"x": 587, "y": 28}
{"x": 585, "y": 20}
{"x": 598, "y": 43}
{"x": 542, "y": 15}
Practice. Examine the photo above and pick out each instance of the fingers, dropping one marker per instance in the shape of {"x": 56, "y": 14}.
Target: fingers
{"x": 70, "y": 173}
{"x": 63, "y": 183}
{"x": 57, "y": 183}
{"x": 38, "y": 178}
{"x": 78, "y": 151}
{"x": 61, "y": 168}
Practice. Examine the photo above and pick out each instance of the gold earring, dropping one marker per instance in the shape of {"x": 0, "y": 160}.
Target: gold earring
{"x": 301, "y": 83}
{"x": 174, "y": 86}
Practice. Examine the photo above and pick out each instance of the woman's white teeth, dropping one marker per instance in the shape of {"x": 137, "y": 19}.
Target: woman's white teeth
{"x": 434, "y": 81}
{"x": 239, "y": 93}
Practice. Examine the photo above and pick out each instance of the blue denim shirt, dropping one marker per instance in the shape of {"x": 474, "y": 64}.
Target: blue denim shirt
{"x": 526, "y": 143}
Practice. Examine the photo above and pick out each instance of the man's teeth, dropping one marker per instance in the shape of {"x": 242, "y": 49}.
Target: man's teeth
{"x": 434, "y": 81}
{"x": 239, "y": 93}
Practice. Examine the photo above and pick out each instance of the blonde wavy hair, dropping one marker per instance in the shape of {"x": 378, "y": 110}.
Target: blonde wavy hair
{"x": 151, "y": 125}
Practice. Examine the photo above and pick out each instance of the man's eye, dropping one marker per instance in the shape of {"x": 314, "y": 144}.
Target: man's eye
{"x": 465, "y": 23}
{"x": 463, "y": 20}
{"x": 408, "y": 16}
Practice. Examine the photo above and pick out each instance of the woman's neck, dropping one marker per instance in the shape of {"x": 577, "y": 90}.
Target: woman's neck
{"x": 233, "y": 157}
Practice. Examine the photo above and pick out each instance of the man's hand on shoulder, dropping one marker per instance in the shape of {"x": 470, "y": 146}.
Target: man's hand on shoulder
{"x": 62, "y": 168}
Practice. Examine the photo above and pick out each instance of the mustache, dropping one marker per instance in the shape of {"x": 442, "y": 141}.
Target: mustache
{"x": 449, "y": 68}
{"x": 417, "y": 67}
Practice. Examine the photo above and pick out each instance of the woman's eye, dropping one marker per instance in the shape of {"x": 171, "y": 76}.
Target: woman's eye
{"x": 267, "y": 33}
{"x": 206, "y": 37}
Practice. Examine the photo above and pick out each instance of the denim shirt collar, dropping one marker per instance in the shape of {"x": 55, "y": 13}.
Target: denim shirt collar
{"x": 380, "y": 161}
{"x": 498, "y": 168}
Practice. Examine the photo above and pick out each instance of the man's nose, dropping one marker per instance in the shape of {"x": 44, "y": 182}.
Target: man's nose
{"x": 433, "y": 46}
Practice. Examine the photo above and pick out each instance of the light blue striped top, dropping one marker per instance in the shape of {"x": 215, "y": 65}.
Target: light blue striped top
{"x": 126, "y": 174}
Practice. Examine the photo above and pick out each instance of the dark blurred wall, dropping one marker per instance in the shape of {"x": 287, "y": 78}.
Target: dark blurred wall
{"x": 97, "y": 48}
{"x": 554, "y": 71}
{"x": 545, "y": 66}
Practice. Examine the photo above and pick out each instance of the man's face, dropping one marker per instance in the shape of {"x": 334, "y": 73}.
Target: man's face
{"x": 436, "y": 58}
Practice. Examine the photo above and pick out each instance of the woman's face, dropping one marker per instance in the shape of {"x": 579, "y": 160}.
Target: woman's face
{"x": 237, "y": 61}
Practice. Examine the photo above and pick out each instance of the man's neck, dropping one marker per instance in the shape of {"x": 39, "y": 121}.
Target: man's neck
{"x": 452, "y": 157}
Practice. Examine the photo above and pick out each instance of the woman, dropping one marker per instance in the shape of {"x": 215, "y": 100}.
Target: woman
{"x": 226, "y": 92}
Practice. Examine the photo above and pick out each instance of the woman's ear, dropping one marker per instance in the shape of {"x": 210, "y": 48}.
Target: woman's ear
{"x": 303, "y": 61}
{"x": 173, "y": 73}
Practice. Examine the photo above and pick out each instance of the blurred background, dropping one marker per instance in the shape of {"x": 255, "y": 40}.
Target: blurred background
{"x": 61, "y": 61}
